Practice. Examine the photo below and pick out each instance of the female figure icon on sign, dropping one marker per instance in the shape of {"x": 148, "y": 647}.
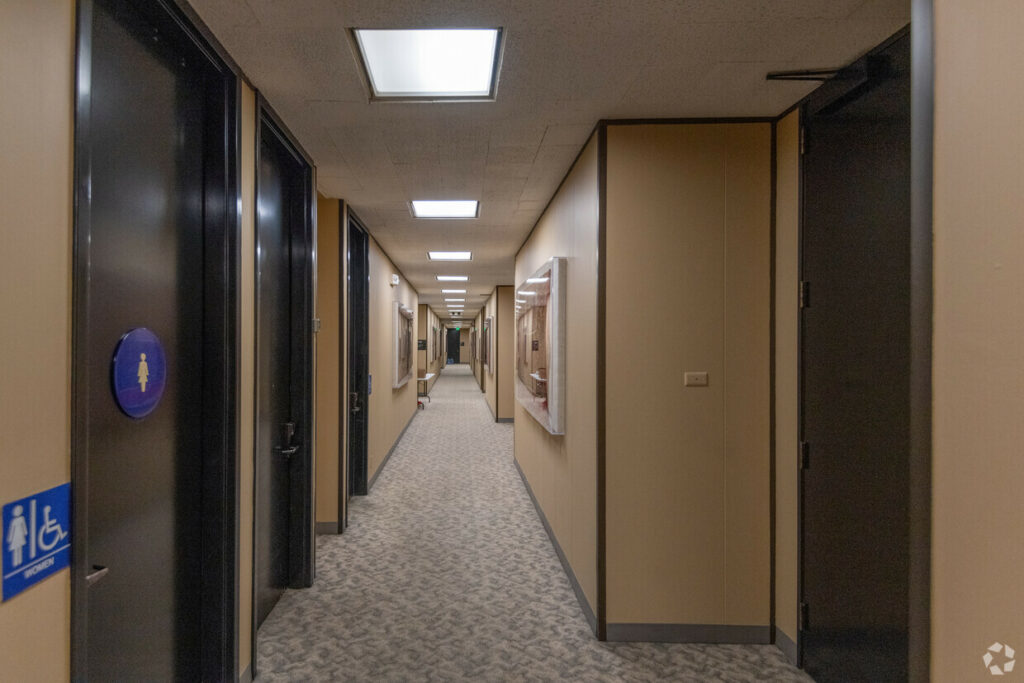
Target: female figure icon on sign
{"x": 143, "y": 371}
{"x": 16, "y": 535}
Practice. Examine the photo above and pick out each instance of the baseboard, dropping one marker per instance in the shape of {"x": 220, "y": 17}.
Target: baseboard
{"x": 327, "y": 528}
{"x": 689, "y": 633}
{"x": 786, "y": 644}
{"x": 507, "y": 420}
{"x": 373, "y": 479}
{"x": 581, "y": 597}
{"x": 246, "y": 676}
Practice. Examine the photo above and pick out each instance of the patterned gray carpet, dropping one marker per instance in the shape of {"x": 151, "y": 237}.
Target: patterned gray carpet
{"x": 446, "y": 574}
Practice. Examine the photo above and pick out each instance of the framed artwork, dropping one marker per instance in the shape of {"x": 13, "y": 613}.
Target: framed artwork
{"x": 485, "y": 334}
{"x": 472, "y": 347}
{"x": 540, "y": 345}
{"x": 403, "y": 345}
{"x": 489, "y": 328}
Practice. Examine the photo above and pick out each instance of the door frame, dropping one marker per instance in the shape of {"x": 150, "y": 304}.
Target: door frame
{"x": 218, "y": 601}
{"x": 357, "y": 463}
{"x": 302, "y": 559}
{"x": 921, "y": 31}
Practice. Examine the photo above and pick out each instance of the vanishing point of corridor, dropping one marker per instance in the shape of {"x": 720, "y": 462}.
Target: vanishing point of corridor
{"x": 445, "y": 573}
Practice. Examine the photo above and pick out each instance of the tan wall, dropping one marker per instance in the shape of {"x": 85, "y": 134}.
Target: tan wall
{"x": 426, "y": 321}
{"x": 562, "y": 470}
{"x": 978, "y": 362}
{"x": 328, "y": 359}
{"x": 390, "y": 409}
{"x": 246, "y": 374}
{"x": 464, "y": 344}
{"x": 37, "y": 86}
{"x": 505, "y": 339}
{"x": 490, "y": 375}
{"x": 688, "y": 237}
{"x": 787, "y": 236}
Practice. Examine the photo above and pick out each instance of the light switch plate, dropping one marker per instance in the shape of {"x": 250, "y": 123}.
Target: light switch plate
{"x": 695, "y": 379}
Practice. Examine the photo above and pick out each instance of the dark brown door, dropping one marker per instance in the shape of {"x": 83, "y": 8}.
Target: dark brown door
{"x": 153, "y": 588}
{"x": 855, "y": 372}
{"x": 283, "y": 370}
{"x": 359, "y": 356}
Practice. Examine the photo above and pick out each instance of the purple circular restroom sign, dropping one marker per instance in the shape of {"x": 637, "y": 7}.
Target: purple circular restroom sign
{"x": 138, "y": 372}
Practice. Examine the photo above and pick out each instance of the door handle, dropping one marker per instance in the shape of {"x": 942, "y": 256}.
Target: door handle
{"x": 353, "y": 401}
{"x": 287, "y": 452}
{"x": 96, "y": 575}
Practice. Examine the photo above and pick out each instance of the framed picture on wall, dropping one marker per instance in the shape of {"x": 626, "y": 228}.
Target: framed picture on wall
{"x": 540, "y": 345}
{"x": 403, "y": 345}
{"x": 472, "y": 348}
{"x": 491, "y": 360}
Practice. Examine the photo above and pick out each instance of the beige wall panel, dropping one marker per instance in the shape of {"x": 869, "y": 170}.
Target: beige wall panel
{"x": 664, "y": 458}
{"x": 562, "y": 470}
{"x": 506, "y": 339}
{"x": 246, "y": 373}
{"x": 328, "y": 358}
{"x": 978, "y": 362}
{"x": 787, "y": 243}
{"x": 37, "y": 82}
{"x": 390, "y": 409}
{"x": 687, "y": 468}
{"x": 491, "y": 377}
{"x": 748, "y": 375}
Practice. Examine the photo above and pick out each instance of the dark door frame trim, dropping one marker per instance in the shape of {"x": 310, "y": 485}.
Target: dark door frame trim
{"x": 302, "y": 523}
{"x": 219, "y": 599}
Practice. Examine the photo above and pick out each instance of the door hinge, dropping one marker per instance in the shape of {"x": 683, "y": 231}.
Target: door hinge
{"x": 804, "y": 618}
{"x": 805, "y": 455}
{"x": 805, "y": 294}
{"x": 316, "y": 325}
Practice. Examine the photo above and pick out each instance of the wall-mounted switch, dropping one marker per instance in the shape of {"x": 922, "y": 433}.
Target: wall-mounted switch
{"x": 695, "y": 379}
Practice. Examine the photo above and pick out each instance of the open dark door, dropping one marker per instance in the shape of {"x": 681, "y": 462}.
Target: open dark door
{"x": 284, "y": 461}
{"x": 154, "y": 475}
{"x": 358, "y": 354}
{"x": 454, "y": 354}
{"x": 855, "y": 372}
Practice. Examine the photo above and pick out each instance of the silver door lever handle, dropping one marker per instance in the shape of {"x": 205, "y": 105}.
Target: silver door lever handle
{"x": 95, "y": 576}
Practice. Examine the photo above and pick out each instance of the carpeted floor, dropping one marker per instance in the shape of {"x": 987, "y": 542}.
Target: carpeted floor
{"x": 446, "y": 574}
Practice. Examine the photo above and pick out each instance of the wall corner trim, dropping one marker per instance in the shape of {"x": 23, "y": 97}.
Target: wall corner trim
{"x": 506, "y": 420}
{"x": 373, "y": 479}
{"x": 786, "y": 644}
{"x": 327, "y": 528}
{"x": 588, "y": 613}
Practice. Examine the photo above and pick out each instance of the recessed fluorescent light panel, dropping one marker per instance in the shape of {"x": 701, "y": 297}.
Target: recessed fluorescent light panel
{"x": 445, "y": 208}
{"x": 431, "y": 64}
{"x": 453, "y": 291}
{"x": 452, "y": 278}
{"x": 454, "y": 300}
{"x": 450, "y": 255}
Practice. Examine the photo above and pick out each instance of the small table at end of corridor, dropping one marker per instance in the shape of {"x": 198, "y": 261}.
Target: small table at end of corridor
{"x": 426, "y": 386}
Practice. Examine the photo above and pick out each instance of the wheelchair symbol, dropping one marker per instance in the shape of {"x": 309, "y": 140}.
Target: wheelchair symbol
{"x": 52, "y": 529}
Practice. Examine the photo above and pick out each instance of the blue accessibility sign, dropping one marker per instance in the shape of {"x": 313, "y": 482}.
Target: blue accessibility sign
{"x": 36, "y": 538}
{"x": 138, "y": 372}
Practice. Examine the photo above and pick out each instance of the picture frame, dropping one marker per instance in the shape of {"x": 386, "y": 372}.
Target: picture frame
{"x": 403, "y": 348}
{"x": 489, "y": 342}
{"x": 540, "y": 315}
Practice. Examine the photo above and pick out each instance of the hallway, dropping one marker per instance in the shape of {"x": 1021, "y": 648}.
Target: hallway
{"x": 445, "y": 573}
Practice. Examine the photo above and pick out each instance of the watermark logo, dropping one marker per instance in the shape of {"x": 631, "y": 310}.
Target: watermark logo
{"x": 1007, "y": 659}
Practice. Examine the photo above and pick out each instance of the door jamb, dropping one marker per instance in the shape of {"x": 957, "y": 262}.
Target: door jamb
{"x": 361, "y": 485}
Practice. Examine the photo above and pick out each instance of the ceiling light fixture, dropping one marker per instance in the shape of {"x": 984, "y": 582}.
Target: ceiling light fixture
{"x": 453, "y": 291}
{"x": 454, "y": 299}
{"x": 430, "y": 64}
{"x": 450, "y": 255}
{"x": 445, "y": 208}
{"x": 452, "y": 278}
